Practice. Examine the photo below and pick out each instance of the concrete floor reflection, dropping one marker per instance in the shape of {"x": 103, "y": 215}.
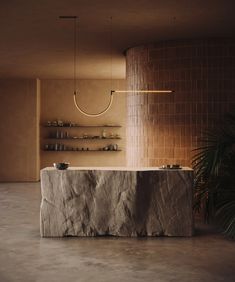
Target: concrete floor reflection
{"x": 24, "y": 256}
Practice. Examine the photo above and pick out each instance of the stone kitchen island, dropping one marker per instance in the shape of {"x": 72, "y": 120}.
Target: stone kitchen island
{"x": 116, "y": 201}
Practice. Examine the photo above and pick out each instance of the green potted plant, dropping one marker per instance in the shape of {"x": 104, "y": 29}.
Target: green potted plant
{"x": 214, "y": 165}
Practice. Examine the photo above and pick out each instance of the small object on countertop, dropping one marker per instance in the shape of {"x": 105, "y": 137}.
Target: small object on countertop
{"x": 61, "y": 166}
{"x": 175, "y": 166}
{"x": 163, "y": 166}
{"x": 172, "y": 166}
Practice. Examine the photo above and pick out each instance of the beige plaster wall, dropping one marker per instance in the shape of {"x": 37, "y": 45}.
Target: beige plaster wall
{"x": 19, "y": 128}
{"x": 57, "y": 103}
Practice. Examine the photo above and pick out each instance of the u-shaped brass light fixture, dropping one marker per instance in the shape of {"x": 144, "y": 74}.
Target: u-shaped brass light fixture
{"x": 93, "y": 114}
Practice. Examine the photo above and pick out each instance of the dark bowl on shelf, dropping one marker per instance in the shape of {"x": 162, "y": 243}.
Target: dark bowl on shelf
{"x": 61, "y": 166}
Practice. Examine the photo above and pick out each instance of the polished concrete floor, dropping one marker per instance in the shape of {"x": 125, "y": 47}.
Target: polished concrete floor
{"x": 24, "y": 256}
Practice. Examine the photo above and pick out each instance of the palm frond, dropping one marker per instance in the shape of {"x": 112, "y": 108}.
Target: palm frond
{"x": 214, "y": 166}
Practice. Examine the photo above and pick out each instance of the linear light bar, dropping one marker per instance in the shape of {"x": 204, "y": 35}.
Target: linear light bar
{"x": 142, "y": 91}
{"x": 67, "y": 17}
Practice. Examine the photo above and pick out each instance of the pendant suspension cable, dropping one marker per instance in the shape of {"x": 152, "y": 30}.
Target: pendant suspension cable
{"x": 75, "y": 56}
{"x": 111, "y": 51}
{"x": 75, "y": 93}
{"x": 76, "y": 42}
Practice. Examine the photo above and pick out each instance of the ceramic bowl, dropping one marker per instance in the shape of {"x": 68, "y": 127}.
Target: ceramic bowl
{"x": 61, "y": 166}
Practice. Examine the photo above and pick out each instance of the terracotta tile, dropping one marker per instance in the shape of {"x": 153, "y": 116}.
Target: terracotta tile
{"x": 201, "y": 74}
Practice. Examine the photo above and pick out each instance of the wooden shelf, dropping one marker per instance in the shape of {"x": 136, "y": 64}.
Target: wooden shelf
{"x": 83, "y": 150}
{"x": 74, "y": 126}
{"x": 71, "y": 138}
{"x": 53, "y": 131}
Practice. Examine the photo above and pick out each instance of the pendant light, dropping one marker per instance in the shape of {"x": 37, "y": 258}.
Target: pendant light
{"x": 76, "y": 92}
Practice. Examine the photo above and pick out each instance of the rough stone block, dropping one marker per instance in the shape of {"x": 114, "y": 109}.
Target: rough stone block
{"x": 116, "y": 201}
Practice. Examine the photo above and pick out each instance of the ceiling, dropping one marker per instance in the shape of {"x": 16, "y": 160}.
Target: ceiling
{"x": 35, "y": 43}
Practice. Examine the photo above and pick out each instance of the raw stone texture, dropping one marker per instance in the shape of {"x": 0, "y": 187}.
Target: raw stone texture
{"x": 78, "y": 202}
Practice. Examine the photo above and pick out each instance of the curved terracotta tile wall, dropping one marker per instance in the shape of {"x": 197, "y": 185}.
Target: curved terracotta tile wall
{"x": 165, "y": 128}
